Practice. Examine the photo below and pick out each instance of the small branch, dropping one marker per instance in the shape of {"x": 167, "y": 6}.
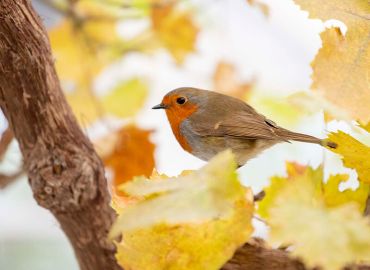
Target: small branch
{"x": 5, "y": 180}
{"x": 367, "y": 209}
{"x": 5, "y": 141}
{"x": 255, "y": 255}
{"x": 259, "y": 196}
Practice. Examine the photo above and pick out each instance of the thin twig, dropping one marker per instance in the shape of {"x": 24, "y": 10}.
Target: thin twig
{"x": 259, "y": 196}
{"x": 5, "y": 180}
{"x": 367, "y": 209}
{"x": 5, "y": 141}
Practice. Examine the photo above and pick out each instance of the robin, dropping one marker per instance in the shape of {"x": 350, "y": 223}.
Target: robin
{"x": 206, "y": 123}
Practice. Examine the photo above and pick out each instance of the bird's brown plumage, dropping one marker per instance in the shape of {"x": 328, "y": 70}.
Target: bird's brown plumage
{"x": 218, "y": 122}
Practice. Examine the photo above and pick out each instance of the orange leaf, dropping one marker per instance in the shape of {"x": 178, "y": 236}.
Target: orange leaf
{"x": 226, "y": 81}
{"x": 175, "y": 30}
{"x": 262, "y": 6}
{"x": 132, "y": 155}
{"x": 295, "y": 169}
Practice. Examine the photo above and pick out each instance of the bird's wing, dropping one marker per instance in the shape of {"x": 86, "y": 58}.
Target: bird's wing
{"x": 244, "y": 124}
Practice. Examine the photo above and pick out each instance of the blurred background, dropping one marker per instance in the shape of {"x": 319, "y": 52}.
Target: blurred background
{"x": 116, "y": 59}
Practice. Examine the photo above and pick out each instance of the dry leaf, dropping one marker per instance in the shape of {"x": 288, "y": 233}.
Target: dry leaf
{"x": 175, "y": 29}
{"x": 262, "y": 6}
{"x": 75, "y": 48}
{"x": 341, "y": 67}
{"x": 365, "y": 126}
{"x": 321, "y": 236}
{"x": 132, "y": 155}
{"x": 355, "y": 154}
{"x": 328, "y": 192}
{"x": 126, "y": 99}
{"x": 313, "y": 102}
{"x": 278, "y": 108}
{"x": 334, "y": 197}
{"x": 277, "y": 183}
{"x": 226, "y": 81}
{"x": 82, "y": 49}
{"x": 196, "y": 221}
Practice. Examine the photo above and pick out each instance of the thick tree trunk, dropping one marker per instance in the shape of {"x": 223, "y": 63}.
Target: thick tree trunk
{"x": 65, "y": 174}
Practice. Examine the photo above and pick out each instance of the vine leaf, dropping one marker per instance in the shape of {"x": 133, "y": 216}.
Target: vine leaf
{"x": 198, "y": 219}
{"x": 355, "y": 154}
{"x": 120, "y": 154}
{"x": 175, "y": 29}
{"x": 341, "y": 67}
{"x": 323, "y": 225}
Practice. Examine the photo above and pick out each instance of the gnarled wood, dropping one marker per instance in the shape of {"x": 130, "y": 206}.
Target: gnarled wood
{"x": 256, "y": 256}
{"x": 65, "y": 174}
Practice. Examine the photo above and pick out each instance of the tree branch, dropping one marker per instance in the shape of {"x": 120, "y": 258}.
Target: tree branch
{"x": 5, "y": 180}
{"x": 65, "y": 173}
{"x": 6, "y": 139}
{"x": 255, "y": 255}
{"x": 367, "y": 208}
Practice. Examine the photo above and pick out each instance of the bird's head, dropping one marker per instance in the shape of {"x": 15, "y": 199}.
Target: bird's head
{"x": 182, "y": 102}
{"x": 179, "y": 104}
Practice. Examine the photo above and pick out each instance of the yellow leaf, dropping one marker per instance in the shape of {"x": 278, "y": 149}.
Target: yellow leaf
{"x": 226, "y": 81}
{"x": 77, "y": 49}
{"x": 312, "y": 102}
{"x": 277, "y": 183}
{"x": 100, "y": 10}
{"x": 341, "y": 67}
{"x": 328, "y": 192}
{"x": 195, "y": 221}
{"x": 365, "y": 126}
{"x": 175, "y": 29}
{"x": 333, "y": 197}
{"x": 126, "y": 98}
{"x": 82, "y": 48}
{"x": 85, "y": 105}
{"x": 262, "y": 6}
{"x": 277, "y": 108}
{"x": 272, "y": 192}
{"x": 355, "y": 154}
{"x": 321, "y": 236}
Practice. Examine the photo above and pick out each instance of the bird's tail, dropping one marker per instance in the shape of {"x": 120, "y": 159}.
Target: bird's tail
{"x": 294, "y": 136}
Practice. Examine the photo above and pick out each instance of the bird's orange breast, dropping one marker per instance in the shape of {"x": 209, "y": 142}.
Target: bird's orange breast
{"x": 176, "y": 117}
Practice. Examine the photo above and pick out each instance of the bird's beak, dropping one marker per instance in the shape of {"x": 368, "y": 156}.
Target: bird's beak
{"x": 160, "y": 106}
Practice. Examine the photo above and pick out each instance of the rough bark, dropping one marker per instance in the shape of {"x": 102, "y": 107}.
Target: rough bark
{"x": 65, "y": 174}
{"x": 255, "y": 255}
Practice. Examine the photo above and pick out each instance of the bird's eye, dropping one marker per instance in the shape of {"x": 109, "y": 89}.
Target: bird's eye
{"x": 181, "y": 100}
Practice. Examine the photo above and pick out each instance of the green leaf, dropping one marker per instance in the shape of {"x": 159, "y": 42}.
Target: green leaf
{"x": 126, "y": 98}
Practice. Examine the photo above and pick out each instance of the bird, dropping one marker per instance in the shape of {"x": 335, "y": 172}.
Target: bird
{"x": 206, "y": 123}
